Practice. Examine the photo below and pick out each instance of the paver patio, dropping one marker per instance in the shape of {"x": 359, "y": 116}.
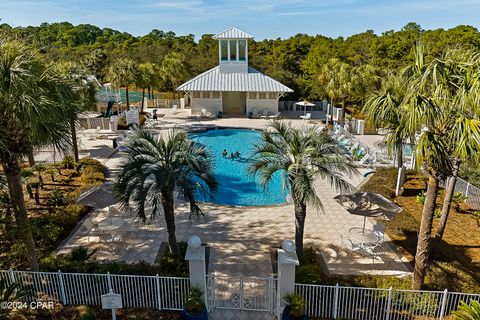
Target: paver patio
{"x": 241, "y": 237}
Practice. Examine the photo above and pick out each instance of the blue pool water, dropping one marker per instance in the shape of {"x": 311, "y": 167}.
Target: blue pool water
{"x": 236, "y": 186}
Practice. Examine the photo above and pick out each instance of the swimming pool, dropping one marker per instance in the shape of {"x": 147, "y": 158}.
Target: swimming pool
{"x": 236, "y": 186}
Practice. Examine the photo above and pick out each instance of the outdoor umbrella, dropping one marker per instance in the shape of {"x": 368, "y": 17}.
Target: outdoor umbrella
{"x": 98, "y": 197}
{"x": 368, "y": 204}
{"x": 305, "y": 104}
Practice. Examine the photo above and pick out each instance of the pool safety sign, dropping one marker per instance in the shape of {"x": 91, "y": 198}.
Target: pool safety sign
{"x": 112, "y": 301}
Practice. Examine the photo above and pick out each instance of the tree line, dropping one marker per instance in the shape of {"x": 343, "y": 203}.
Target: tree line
{"x": 303, "y": 62}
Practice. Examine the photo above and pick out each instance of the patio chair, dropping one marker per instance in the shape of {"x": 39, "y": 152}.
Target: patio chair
{"x": 275, "y": 116}
{"x": 264, "y": 115}
{"x": 374, "y": 251}
{"x": 175, "y": 109}
{"x": 350, "y": 245}
{"x": 90, "y": 227}
{"x": 308, "y": 116}
{"x": 379, "y": 231}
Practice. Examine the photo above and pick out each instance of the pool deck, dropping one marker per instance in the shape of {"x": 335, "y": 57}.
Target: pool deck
{"x": 241, "y": 237}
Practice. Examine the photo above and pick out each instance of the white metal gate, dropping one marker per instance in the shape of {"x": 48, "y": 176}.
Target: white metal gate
{"x": 242, "y": 293}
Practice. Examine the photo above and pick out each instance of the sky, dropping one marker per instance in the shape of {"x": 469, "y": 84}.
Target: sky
{"x": 261, "y": 18}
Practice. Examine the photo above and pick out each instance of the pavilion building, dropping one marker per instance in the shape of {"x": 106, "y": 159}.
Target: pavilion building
{"x": 233, "y": 87}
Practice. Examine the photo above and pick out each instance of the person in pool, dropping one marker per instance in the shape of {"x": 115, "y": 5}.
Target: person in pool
{"x": 224, "y": 153}
{"x": 232, "y": 156}
{"x": 237, "y": 154}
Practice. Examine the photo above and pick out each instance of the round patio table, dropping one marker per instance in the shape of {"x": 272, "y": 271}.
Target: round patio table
{"x": 362, "y": 235}
{"x": 110, "y": 224}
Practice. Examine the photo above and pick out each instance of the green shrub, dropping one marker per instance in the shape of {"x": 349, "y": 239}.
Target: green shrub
{"x": 437, "y": 213}
{"x": 68, "y": 162}
{"x": 81, "y": 254}
{"x": 309, "y": 274}
{"x": 194, "y": 302}
{"x": 57, "y": 198}
{"x": 295, "y": 305}
{"x": 174, "y": 266}
{"x": 421, "y": 197}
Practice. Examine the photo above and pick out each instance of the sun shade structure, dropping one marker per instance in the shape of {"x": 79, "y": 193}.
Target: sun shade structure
{"x": 368, "y": 204}
{"x": 305, "y": 104}
{"x": 233, "y": 87}
{"x": 98, "y": 197}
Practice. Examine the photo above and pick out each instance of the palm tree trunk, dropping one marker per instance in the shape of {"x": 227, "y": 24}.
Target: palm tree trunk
{"x": 74, "y": 140}
{"x": 31, "y": 159}
{"x": 168, "y": 203}
{"x": 12, "y": 172}
{"x": 343, "y": 109}
{"x": 143, "y": 100}
{"x": 399, "y": 154}
{"x": 425, "y": 233}
{"x": 149, "y": 92}
{"x": 447, "y": 202}
{"x": 126, "y": 95}
{"x": 300, "y": 215}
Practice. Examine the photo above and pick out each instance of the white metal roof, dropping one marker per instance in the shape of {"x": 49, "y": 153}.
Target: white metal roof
{"x": 253, "y": 81}
{"x": 232, "y": 33}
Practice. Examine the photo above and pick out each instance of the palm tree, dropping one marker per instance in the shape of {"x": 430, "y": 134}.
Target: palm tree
{"x": 173, "y": 69}
{"x": 12, "y": 292}
{"x": 156, "y": 167}
{"x": 145, "y": 78}
{"x": 459, "y": 71}
{"x": 384, "y": 109}
{"x": 31, "y": 115}
{"x": 123, "y": 73}
{"x": 468, "y": 311}
{"x": 424, "y": 111}
{"x": 365, "y": 79}
{"x": 81, "y": 99}
{"x": 301, "y": 156}
{"x": 335, "y": 76}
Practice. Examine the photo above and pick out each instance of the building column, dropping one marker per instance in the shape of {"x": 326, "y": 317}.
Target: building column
{"x": 287, "y": 261}
{"x": 196, "y": 264}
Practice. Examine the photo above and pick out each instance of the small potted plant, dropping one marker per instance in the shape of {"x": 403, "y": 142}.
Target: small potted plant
{"x": 195, "y": 308}
{"x": 295, "y": 308}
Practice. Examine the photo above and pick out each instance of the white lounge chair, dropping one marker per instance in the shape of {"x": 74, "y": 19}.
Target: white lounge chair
{"x": 264, "y": 115}
{"x": 308, "y": 116}
{"x": 365, "y": 158}
{"x": 175, "y": 109}
{"x": 275, "y": 116}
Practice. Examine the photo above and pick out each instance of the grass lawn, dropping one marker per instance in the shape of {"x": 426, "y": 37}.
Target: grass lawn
{"x": 455, "y": 261}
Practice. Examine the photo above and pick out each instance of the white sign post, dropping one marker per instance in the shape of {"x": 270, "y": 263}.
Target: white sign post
{"x": 112, "y": 301}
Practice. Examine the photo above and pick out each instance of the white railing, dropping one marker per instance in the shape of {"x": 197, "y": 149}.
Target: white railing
{"x": 339, "y": 302}
{"x": 470, "y": 191}
{"x": 163, "y": 293}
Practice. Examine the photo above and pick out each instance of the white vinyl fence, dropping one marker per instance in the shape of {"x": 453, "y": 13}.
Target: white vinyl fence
{"x": 169, "y": 293}
{"x": 339, "y": 302}
{"x": 155, "y": 292}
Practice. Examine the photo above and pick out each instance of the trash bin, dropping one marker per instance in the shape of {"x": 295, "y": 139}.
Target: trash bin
{"x": 250, "y": 115}
{"x": 115, "y": 144}
{"x": 220, "y": 114}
